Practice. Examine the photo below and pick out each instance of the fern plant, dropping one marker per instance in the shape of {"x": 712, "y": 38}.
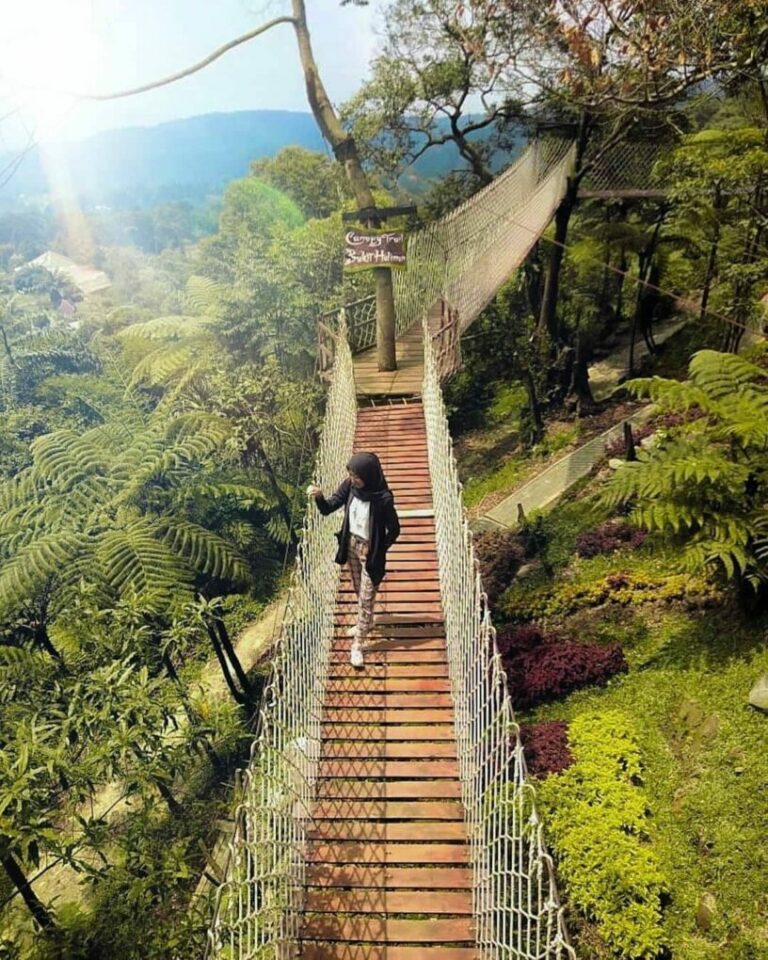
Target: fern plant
{"x": 107, "y": 506}
{"x": 269, "y": 413}
{"x": 33, "y": 357}
{"x": 705, "y": 484}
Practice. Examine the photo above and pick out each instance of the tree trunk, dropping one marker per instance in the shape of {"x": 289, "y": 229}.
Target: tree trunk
{"x": 468, "y": 152}
{"x": 172, "y": 803}
{"x": 619, "y": 308}
{"x": 635, "y": 322}
{"x": 646, "y": 299}
{"x": 580, "y": 388}
{"x": 41, "y": 638}
{"x": 604, "y": 311}
{"x": 385, "y": 319}
{"x": 7, "y": 346}
{"x": 19, "y": 880}
{"x": 203, "y": 742}
{"x": 650, "y": 301}
{"x": 533, "y": 404}
{"x": 345, "y": 151}
{"x": 636, "y": 315}
{"x": 237, "y": 694}
{"x": 744, "y": 288}
{"x": 228, "y": 647}
{"x": 548, "y": 315}
{"x": 532, "y": 280}
{"x": 171, "y": 669}
{"x": 712, "y": 259}
{"x": 629, "y": 442}
{"x": 283, "y": 503}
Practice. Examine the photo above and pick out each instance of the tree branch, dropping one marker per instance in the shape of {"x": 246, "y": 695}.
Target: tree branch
{"x": 188, "y": 71}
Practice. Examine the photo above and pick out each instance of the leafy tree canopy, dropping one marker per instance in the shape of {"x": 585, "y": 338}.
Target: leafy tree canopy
{"x": 314, "y": 182}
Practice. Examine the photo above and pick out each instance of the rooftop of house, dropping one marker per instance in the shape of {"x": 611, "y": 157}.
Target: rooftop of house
{"x": 86, "y": 278}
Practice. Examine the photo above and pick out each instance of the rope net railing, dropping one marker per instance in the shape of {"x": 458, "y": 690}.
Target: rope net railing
{"x": 457, "y": 264}
{"x": 463, "y": 258}
{"x": 361, "y": 322}
{"x": 258, "y": 905}
{"x": 627, "y": 166}
{"x": 516, "y": 908}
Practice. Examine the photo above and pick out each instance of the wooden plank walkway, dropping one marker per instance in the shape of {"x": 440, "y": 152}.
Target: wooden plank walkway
{"x": 403, "y": 382}
{"x": 388, "y": 874}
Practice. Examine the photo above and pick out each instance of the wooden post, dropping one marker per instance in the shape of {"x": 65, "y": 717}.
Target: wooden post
{"x": 629, "y": 442}
{"x": 385, "y": 319}
{"x": 372, "y": 217}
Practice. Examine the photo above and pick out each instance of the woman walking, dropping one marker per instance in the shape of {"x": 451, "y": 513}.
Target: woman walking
{"x": 369, "y": 529}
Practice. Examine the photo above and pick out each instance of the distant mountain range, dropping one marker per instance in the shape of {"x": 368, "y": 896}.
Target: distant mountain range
{"x": 188, "y": 159}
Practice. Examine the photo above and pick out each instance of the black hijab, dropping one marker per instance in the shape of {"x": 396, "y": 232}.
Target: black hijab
{"x": 367, "y": 466}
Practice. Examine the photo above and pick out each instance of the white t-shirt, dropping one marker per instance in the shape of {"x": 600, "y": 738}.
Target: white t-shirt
{"x": 360, "y": 518}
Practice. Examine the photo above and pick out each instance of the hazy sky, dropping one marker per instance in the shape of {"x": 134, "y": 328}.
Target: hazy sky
{"x": 51, "y": 46}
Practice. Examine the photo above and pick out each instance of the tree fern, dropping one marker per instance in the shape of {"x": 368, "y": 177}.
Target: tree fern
{"x": 174, "y": 327}
{"x": 723, "y": 374}
{"x": 202, "y": 549}
{"x": 706, "y": 483}
{"x": 133, "y": 561}
{"x": 197, "y": 426}
{"x": 19, "y": 489}
{"x": 165, "y": 364}
{"x": 50, "y": 555}
{"x": 63, "y": 458}
{"x": 204, "y": 294}
{"x": 104, "y": 506}
{"x": 243, "y": 494}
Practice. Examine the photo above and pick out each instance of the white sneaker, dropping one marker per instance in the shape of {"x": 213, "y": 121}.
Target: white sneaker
{"x": 356, "y": 654}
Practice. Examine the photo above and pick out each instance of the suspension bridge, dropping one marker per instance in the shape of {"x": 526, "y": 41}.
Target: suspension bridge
{"x": 385, "y": 814}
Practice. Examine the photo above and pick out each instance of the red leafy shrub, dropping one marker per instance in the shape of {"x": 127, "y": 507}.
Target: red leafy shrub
{"x": 514, "y": 640}
{"x": 609, "y": 536}
{"x": 673, "y": 418}
{"x": 499, "y": 553}
{"x": 550, "y": 671}
{"x": 546, "y": 747}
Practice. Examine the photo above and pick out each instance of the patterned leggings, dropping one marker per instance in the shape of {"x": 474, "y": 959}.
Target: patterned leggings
{"x": 364, "y": 588}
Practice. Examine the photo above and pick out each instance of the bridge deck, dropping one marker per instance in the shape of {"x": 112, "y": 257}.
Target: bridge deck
{"x": 405, "y": 381}
{"x": 388, "y": 874}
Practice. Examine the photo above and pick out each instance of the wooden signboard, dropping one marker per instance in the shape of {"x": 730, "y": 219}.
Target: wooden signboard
{"x": 367, "y": 248}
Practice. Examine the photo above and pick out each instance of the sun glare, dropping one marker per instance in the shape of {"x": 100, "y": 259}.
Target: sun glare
{"x": 48, "y": 48}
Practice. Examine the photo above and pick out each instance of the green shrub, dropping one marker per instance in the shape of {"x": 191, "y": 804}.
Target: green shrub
{"x": 625, "y": 588}
{"x": 597, "y": 820}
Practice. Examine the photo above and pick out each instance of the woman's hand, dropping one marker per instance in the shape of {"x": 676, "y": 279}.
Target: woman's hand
{"x": 313, "y": 490}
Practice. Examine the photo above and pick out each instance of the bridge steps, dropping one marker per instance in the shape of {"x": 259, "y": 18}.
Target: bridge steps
{"x": 388, "y": 874}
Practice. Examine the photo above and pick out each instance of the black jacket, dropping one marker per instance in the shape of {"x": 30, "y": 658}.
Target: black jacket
{"x": 385, "y": 527}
